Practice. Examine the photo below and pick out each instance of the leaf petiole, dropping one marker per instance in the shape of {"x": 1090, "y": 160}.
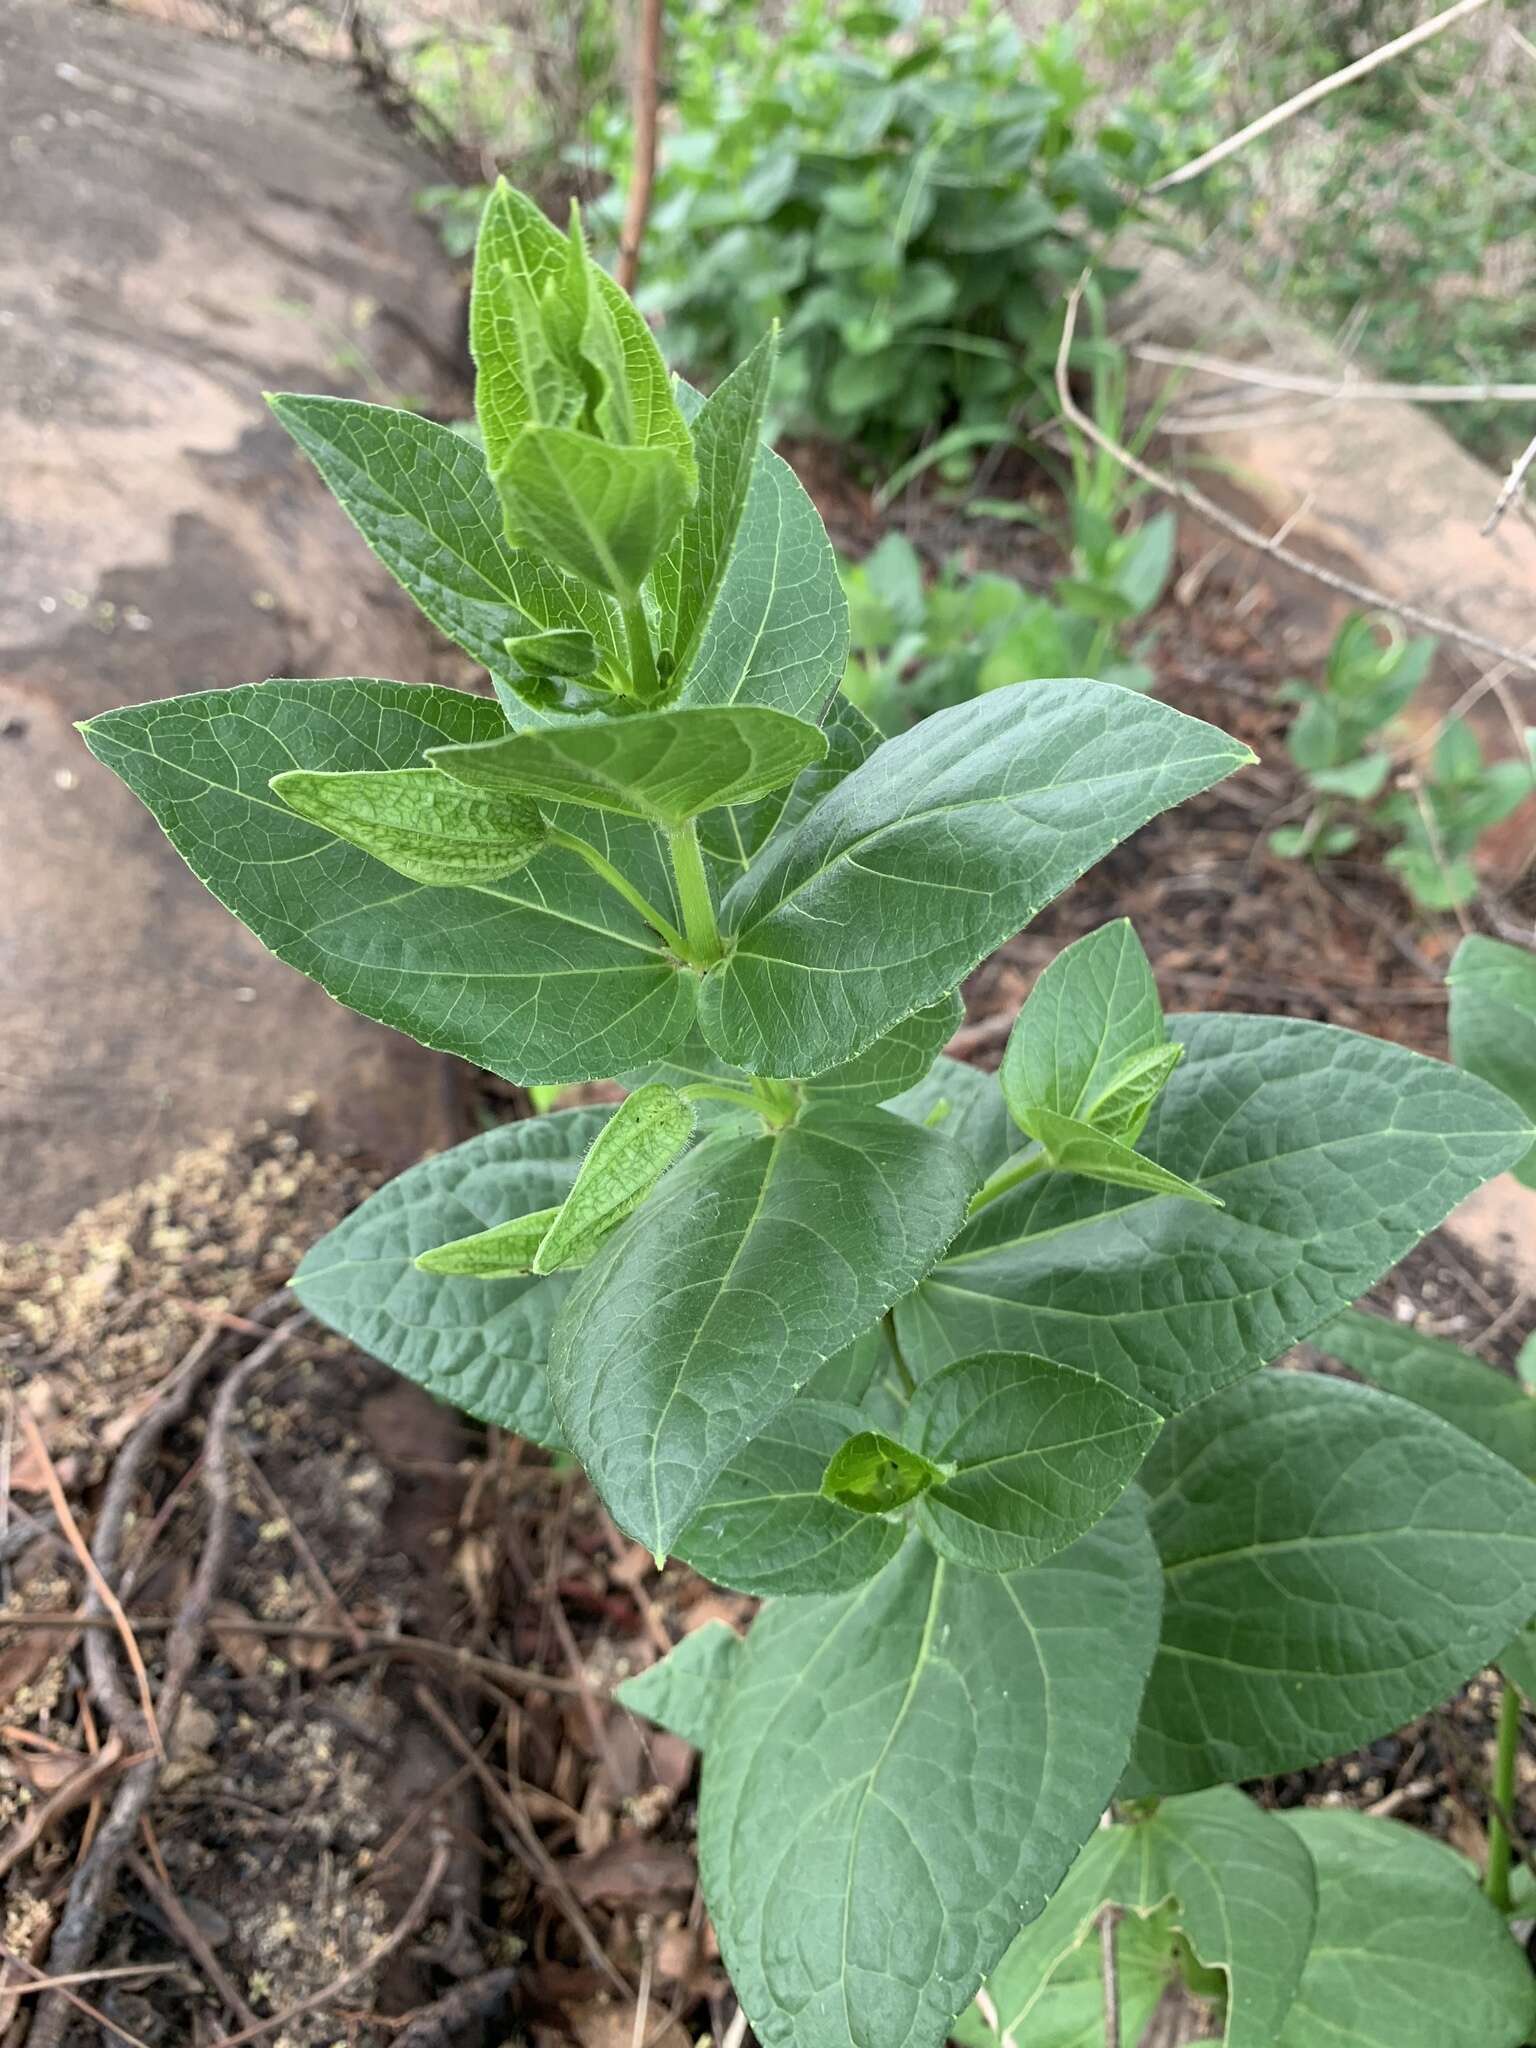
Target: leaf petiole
{"x": 703, "y": 945}
{"x": 1012, "y": 1174}
{"x": 644, "y": 683}
{"x": 626, "y": 889}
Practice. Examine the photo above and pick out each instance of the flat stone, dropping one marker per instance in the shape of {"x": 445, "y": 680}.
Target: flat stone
{"x": 185, "y": 225}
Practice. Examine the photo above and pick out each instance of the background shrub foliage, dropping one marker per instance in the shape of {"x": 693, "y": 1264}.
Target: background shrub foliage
{"x": 959, "y": 1371}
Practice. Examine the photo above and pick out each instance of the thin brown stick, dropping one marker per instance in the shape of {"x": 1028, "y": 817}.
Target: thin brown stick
{"x": 1107, "y": 1920}
{"x": 526, "y": 1845}
{"x": 1239, "y": 529}
{"x": 642, "y": 177}
{"x": 1348, "y": 384}
{"x": 82, "y": 1785}
{"x": 56, "y": 1990}
{"x": 1511, "y": 487}
{"x": 1318, "y": 90}
{"x": 412, "y": 1918}
{"x": 155, "y": 1878}
{"x": 302, "y": 1550}
{"x": 70, "y": 1530}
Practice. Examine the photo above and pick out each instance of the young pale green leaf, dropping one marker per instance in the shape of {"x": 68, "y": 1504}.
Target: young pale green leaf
{"x": 422, "y": 498}
{"x": 759, "y": 1258}
{"x": 418, "y": 822}
{"x": 1077, "y": 1147}
{"x": 546, "y": 976}
{"x": 859, "y": 1894}
{"x": 517, "y": 246}
{"x": 504, "y": 1252}
{"x": 1408, "y": 1952}
{"x": 1048, "y": 1991}
{"x": 1333, "y": 1155}
{"x": 768, "y": 1527}
{"x": 685, "y": 1691}
{"x": 727, "y": 431}
{"x": 1093, "y": 1011}
{"x": 664, "y": 766}
{"x": 1482, "y": 1402}
{"x": 1126, "y": 1103}
{"x": 478, "y": 1343}
{"x": 598, "y": 512}
{"x": 941, "y": 845}
{"x": 563, "y": 652}
{"x": 1493, "y": 1023}
{"x": 629, "y": 1155}
{"x": 1334, "y": 1560}
{"x": 1038, "y": 1452}
{"x": 1246, "y": 1898}
{"x": 873, "y": 1474}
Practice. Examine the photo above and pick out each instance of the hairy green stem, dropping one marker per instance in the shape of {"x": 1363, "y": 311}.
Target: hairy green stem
{"x": 643, "y": 679}
{"x": 1013, "y": 1173}
{"x": 908, "y": 1377}
{"x": 1500, "y": 1848}
{"x": 626, "y": 889}
{"x": 698, "y": 905}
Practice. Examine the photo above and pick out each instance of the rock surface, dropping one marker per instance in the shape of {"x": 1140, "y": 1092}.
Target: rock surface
{"x": 184, "y": 224}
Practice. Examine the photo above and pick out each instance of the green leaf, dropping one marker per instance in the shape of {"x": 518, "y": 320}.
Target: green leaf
{"x": 417, "y": 822}
{"x": 664, "y": 766}
{"x": 1246, "y": 1899}
{"x": 1335, "y": 1561}
{"x": 1484, "y": 1403}
{"x": 730, "y": 838}
{"x": 1493, "y": 1023}
{"x": 897, "y": 1060}
{"x": 1408, "y": 1953}
{"x": 598, "y": 512}
{"x": 1048, "y": 1991}
{"x": 727, "y": 431}
{"x": 503, "y": 1252}
{"x": 545, "y": 977}
{"x": 848, "y": 1376}
{"x": 1517, "y": 1662}
{"x": 629, "y": 1155}
{"x": 872, "y": 1474}
{"x": 479, "y": 1344}
{"x": 760, "y": 1258}
{"x": 516, "y": 244}
{"x": 1333, "y": 1154}
{"x": 1076, "y": 1147}
{"x": 767, "y": 1526}
{"x": 685, "y": 1691}
{"x": 859, "y": 1892}
{"x": 1122, "y": 1110}
{"x": 564, "y": 651}
{"x": 1039, "y": 1453}
{"x": 422, "y": 498}
{"x": 1093, "y": 1011}
{"x": 944, "y": 843}
{"x": 967, "y": 1106}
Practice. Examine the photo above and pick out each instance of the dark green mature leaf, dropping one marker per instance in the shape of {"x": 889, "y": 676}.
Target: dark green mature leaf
{"x": 664, "y": 766}
{"x": 1246, "y": 1898}
{"x": 731, "y": 838}
{"x": 1333, "y": 1155}
{"x": 686, "y": 1690}
{"x": 545, "y": 977}
{"x": 942, "y": 844}
{"x": 859, "y": 1891}
{"x": 1408, "y": 1953}
{"x": 1039, "y": 1452}
{"x": 598, "y": 512}
{"x": 1094, "y": 1009}
{"x": 1517, "y": 1662}
{"x": 629, "y": 1155}
{"x": 1493, "y": 1023}
{"x": 1484, "y": 1403}
{"x": 727, "y": 432}
{"x": 967, "y": 1106}
{"x": 873, "y": 1474}
{"x": 418, "y": 822}
{"x": 422, "y": 498}
{"x": 767, "y": 1526}
{"x": 1335, "y": 1561}
{"x": 848, "y": 1376}
{"x": 480, "y": 1344}
{"x": 896, "y": 1061}
{"x": 757, "y": 1260}
{"x": 1048, "y": 1991}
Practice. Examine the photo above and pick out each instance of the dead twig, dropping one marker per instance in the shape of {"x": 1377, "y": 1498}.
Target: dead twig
{"x": 57, "y": 1989}
{"x": 1318, "y": 90}
{"x": 1511, "y": 487}
{"x": 82, "y": 1785}
{"x": 1348, "y": 385}
{"x": 70, "y": 1530}
{"x": 329, "y": 1597}
{"x": 642, "y": 177}
{"x": 155, "y": 1878}
{"x": 1108, "y": 1919}
{"x": 1239, "y": 529}
{"x": 74, "y": 1939}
